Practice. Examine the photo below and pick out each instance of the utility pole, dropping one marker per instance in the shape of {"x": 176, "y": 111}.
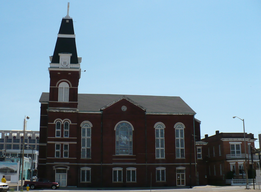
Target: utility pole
{"x": 24, "y": 127}
{"x": 246, "y": 162}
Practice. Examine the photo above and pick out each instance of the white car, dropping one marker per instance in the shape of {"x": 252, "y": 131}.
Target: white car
{"x": 4, "y": 187}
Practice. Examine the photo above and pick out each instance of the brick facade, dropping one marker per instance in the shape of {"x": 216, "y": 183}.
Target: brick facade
{"x": 112, "y": 140}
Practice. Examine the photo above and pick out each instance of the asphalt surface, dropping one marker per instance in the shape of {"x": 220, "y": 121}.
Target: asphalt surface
{"x": 13, "y": 187}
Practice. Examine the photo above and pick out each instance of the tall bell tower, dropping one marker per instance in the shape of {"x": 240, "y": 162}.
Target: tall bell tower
{"x": 64, "y": 68}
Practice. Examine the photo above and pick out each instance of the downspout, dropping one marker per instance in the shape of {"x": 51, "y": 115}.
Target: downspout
{"x": 146, "y": 150}
{"x": 190, "y": 163}
{"x": 195, "y": 155}
{"x": 101, "y": 148}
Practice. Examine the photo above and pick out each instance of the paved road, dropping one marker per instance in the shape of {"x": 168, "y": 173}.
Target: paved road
{"x": 194, "y": 189}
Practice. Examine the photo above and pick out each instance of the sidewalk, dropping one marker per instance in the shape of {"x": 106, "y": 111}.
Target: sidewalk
{"x": 14, "y": 185}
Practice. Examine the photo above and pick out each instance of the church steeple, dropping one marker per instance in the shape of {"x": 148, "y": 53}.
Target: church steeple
{"x": 65, "y": 52}
{"x": 64, "y": 68}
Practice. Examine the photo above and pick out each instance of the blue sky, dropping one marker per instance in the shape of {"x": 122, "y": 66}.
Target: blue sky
{"x": 206, "y": 52}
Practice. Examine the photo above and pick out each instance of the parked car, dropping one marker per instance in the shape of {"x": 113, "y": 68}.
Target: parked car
{"x": 4, "y": 187}
{"x": 41, "y": 183}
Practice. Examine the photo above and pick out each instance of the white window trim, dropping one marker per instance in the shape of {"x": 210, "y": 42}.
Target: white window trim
{"x": 66, "y": 150}
{"x": 65, "y": 129}
{"x": 56, "y": 150}
{"x": 86, "y": 138}
{"x": 58, "y": 130}
{"x": 85, "y": 169}
{"x": 181, "y": 168}
{"x": 240, "y": 164}
{"x": 232, "y": 165}
{"x": 199, "y": 153}
{"x": 131, "y": 169}
{"x": 117, "y": 169}
{"x": 235, "y": 144}
{"x": 63, "y": 92}
{"x": 180, "y": 126}
{"x": 160, "y": 138}
{"x": 160, "y": 169}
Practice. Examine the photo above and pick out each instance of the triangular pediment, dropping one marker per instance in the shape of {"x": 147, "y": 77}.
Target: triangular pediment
{"x": 120, "y": 99}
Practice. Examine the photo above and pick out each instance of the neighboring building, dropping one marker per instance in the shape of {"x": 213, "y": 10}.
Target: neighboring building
{"x": 225, "y": 156}
{"x": 10, "y": 169}
{"x": 102, "y": 140}
{"x": 259, "y": 139}
{"x": 11, "y": 142}
{"x": 201, "y": 149}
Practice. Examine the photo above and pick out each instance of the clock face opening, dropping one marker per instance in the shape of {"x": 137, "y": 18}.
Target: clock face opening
{"x": 65, "y": 64}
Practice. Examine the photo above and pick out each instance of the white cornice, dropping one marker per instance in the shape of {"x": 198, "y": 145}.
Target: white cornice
{"x": 56, "y": 67}
{"x": 63, "y": 110}
{"x": 154, "y": 113}
{"x": 238, "y": 139}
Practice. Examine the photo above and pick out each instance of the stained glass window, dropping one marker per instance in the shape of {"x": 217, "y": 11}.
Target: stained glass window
{"x": 124, "y": 139}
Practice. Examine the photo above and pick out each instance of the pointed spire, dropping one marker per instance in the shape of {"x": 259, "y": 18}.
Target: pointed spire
{"x": 67, "y": 16}
{"x": 66, "y": 41}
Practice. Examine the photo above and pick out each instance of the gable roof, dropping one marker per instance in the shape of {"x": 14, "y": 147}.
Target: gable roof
{"x": 152, "y": 104}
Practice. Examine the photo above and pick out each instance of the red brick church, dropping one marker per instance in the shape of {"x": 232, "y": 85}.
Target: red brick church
{"x": 105, "y": 140}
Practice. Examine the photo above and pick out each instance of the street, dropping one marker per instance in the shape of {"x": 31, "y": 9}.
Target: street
{"x": 195, "y": 189}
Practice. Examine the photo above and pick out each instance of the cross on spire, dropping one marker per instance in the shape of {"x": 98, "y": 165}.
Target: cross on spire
{"x": 67, "y": 16}
{"x": 68, "y": 9}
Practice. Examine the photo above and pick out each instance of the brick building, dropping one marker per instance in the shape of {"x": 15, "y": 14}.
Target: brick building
{"x": 225, "y": 156}
{"x": 102, "y": 140}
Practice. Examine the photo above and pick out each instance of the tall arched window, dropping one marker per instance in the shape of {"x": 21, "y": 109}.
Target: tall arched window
{"x": 58, "y": 129}
{"x": 180, "y": 140}
{"x": 123, "y": 138}
{"x": 66, "y": 128}
{"x": 159, "y": 140}
{"x": 86, "y": 140}
{"x": 63, "y": 92}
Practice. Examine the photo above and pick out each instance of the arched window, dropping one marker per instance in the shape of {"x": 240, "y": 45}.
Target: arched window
{"x": 63, "y": 92}
{"x": 180, "y": 140}
{"x": 58, "y": 129}
{"x": 66, "y": 128}
{"x": 86, "y": 140}
{"x": 159, "y": 140}
{"x": 123, "y": 138}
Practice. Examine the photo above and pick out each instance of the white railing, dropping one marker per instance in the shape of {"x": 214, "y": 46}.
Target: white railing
{"x": 241, "y": 181}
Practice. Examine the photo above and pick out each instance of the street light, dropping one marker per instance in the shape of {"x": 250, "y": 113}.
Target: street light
{"x": 32, "y": 159}
{"x": 246, "y": 171}
{"x": 22, "y": 176}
